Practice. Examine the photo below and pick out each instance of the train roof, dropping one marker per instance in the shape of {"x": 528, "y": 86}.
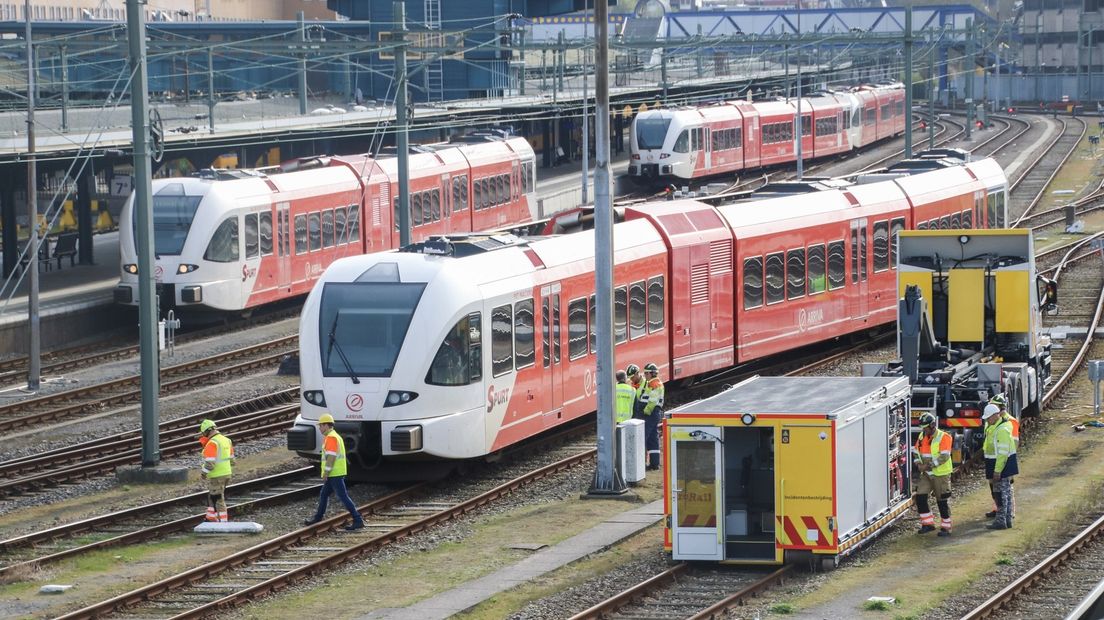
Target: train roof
{"x": 791, "y": 395}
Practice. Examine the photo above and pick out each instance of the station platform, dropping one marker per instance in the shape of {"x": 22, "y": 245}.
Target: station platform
{"x": 604, "y": 535}
{"x": 76, "y": 303}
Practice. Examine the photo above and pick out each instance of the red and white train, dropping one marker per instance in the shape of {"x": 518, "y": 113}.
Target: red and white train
{"x": 702, "y": 141}
{"x": 461, "y": 346}
{"x": 232, "y": 240}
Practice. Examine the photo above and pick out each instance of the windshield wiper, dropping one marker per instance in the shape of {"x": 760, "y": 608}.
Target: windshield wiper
{"x": 334, "y": 346}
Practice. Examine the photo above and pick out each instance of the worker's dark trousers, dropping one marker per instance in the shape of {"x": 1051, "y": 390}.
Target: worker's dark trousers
{"x": 651, "y": 437}
{"x": 336, "y": 484}
{"x": 924, "y": 507}
{"x": 1002, "y": 492}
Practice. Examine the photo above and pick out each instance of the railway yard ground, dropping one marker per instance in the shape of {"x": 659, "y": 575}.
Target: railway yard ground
{"x": 1059, "y": 492}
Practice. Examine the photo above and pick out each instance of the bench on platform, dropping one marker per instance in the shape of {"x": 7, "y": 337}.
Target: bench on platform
{"x": 66, "y": 246}
{"x": 43, "y": 255}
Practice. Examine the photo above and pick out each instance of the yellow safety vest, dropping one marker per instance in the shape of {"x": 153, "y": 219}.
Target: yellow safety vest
{"x": 946, "y": 467}
{"x": 651, "y": 394}
{"x": 624, "y": 401}
{"x": 340, "y": 468}
{"x": 222, "y": 458}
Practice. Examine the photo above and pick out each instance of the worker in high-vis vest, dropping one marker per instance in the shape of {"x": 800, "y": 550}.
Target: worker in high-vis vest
{"x": 932, "y": 455}
{"x": 334, "y": 469}
{"x": 651, "y": 394}
{"x": 1000, "y": 401}
{"x": 1001, "y": 463}
{"x": 636, "y": 380}
{"x": 625, "y": 398}
{"x": 218, "y": 461}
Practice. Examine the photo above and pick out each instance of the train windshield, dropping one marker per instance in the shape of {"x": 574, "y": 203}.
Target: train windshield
{"x": 173, "y": 213}
{"x": 650, "y": 132}
{"x": 362, "y": 325}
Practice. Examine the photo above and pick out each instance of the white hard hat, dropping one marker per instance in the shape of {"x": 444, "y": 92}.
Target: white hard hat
{"x": 990, "y": 409}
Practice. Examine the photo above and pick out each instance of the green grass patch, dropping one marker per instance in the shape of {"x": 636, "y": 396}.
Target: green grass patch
{"x": 877, "y": 605}
{"x": 1004, "y": 561}
{"x": 782, "y": 609}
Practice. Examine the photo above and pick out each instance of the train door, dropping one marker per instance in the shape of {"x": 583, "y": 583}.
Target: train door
{"x": 551, "y": 358}
{"x": 707, "y": 147}
{"x": 859, "y": 269}
{"x": 283, "y": 245}
{"x": 696, "y": 485}
{"x": 447, "y": 224}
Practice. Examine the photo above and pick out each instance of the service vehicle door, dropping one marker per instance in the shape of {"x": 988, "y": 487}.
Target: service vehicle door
{"x": 696, "y": 484}
{"x": 552, "y": 358}
{"x": 283, "y": 245}
{"x": 805, "y": 486}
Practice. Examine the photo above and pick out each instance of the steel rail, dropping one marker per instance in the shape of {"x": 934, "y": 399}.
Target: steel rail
{"x": 1039, "y": 196}
{"x": 291, "y": 539}
{"x": 1026, "y": 581}
{"x": 633, "y": 593}
{"x": 67, "y": 411}
{"x": 720, "y": 608}
{"x": 161, "y": 529}
{"x": 257, "y": 424}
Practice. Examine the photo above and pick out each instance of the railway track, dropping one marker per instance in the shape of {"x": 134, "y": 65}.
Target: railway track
{"x": 1027, "y": 190}
{"x": 284, "y": 560}
{"x": 126, "y": 390}
{"x": 251, "y": 418}
{"x": 127, "y": 527}
{"x": 683, "y": 591}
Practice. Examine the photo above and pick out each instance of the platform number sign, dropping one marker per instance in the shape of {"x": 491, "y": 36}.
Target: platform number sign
{"x": 121, "y": 184}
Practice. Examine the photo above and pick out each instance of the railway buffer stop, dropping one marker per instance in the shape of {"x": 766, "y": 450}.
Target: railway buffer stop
{"x": 782, "y": 469}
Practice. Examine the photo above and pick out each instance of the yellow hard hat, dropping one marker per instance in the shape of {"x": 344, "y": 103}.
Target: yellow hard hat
{"x": 326, "y": 419}
{"x": 206, "y": 425}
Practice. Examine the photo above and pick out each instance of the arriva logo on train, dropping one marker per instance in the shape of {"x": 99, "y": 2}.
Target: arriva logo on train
{"x": 495, "y": 398}
{"x": 809, "y": 318}
{"x": 314, "y": 269}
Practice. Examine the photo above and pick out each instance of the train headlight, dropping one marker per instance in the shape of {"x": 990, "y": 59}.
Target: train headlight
{"x": 398, "y": 397}
{"x": 315, "y": 397}
{"x": 131, "y": 268}
{"x": 185, "y": 268}
{"x": 664, "y": 155}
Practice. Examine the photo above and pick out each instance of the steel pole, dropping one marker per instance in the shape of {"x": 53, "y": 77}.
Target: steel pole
{"x": 143, "y": 209}
{"x": 908, "y": 81}
{"x": 607, "y": 481}
{"x": 65, "y": 88}
{"x": 402, "y": 141}
{"x": 970, "y": 63}
{"x": 301, "y": 19}
{"x": 800, "y": 124}
{"x": 34, "y": 365}
{"x": 586, "y": 121}
{"x": 931, "y": 96}
{"x": 211, "y": 89}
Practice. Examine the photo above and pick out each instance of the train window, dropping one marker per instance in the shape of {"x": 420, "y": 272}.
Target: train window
{"x": 638, "y": 322}
{"x": 956, "y": 221}
{"x": 682, "y": 144}
{"x": 502, "y": 340}
{"x": 815, "y": 272}
{"x": 620, "y": 315}
{"x": 651, "y": 132}
{"x": 524, "y": 351}
{"x": 870, "y": 116}
{"x": 340, "y": 234}
{"x": 881, "y": 246}
{"x": 775, "y": 278}
{"x": 503, "y": 189}
{"x": 435, "y": 197}
{"x": 327, "y": 229}
{"x": 753, "y": 282}
{"x": 477, "y": 195}
{"x": 655, "y": 304}
{"x": 577, "y": 328}
{"x": 895, "y": 227}
{"x": 252, "y": 241}
{"x": 854, "y": 254}
{"x": 806, "y": 124}
{"x": 223, "y": 247}
{"x": 593, "y": 326}
{"x": 454, "y": 363}
{"x": 737, "y": 138}
{"x": 885, "y": 112}
{"x": 795, "y": 273}
{"x": 395, "y": 209}
{"x": 944, "y": 222}
{"x": 369, "y": 319}
{"x": 314, "y": 227}
{"x": 836, "y": 266}
{"x": 922, "y": 226}
{"x": 716, "y": 140}
{"x": 416, "y": 209}
{"x": 556, "y": 328}
{"x": 527, "y": 176}
{"x": 353, "y": 223}
{"x": 696, "y": 142}
{"x": 266, "y": 233}
{"x": 300, "y": 234}
{"x": 457, "y": 204}
{"x": 967, "y": 219}
{"x": 464, "y": 192}
{"x": 488, "y": 189}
